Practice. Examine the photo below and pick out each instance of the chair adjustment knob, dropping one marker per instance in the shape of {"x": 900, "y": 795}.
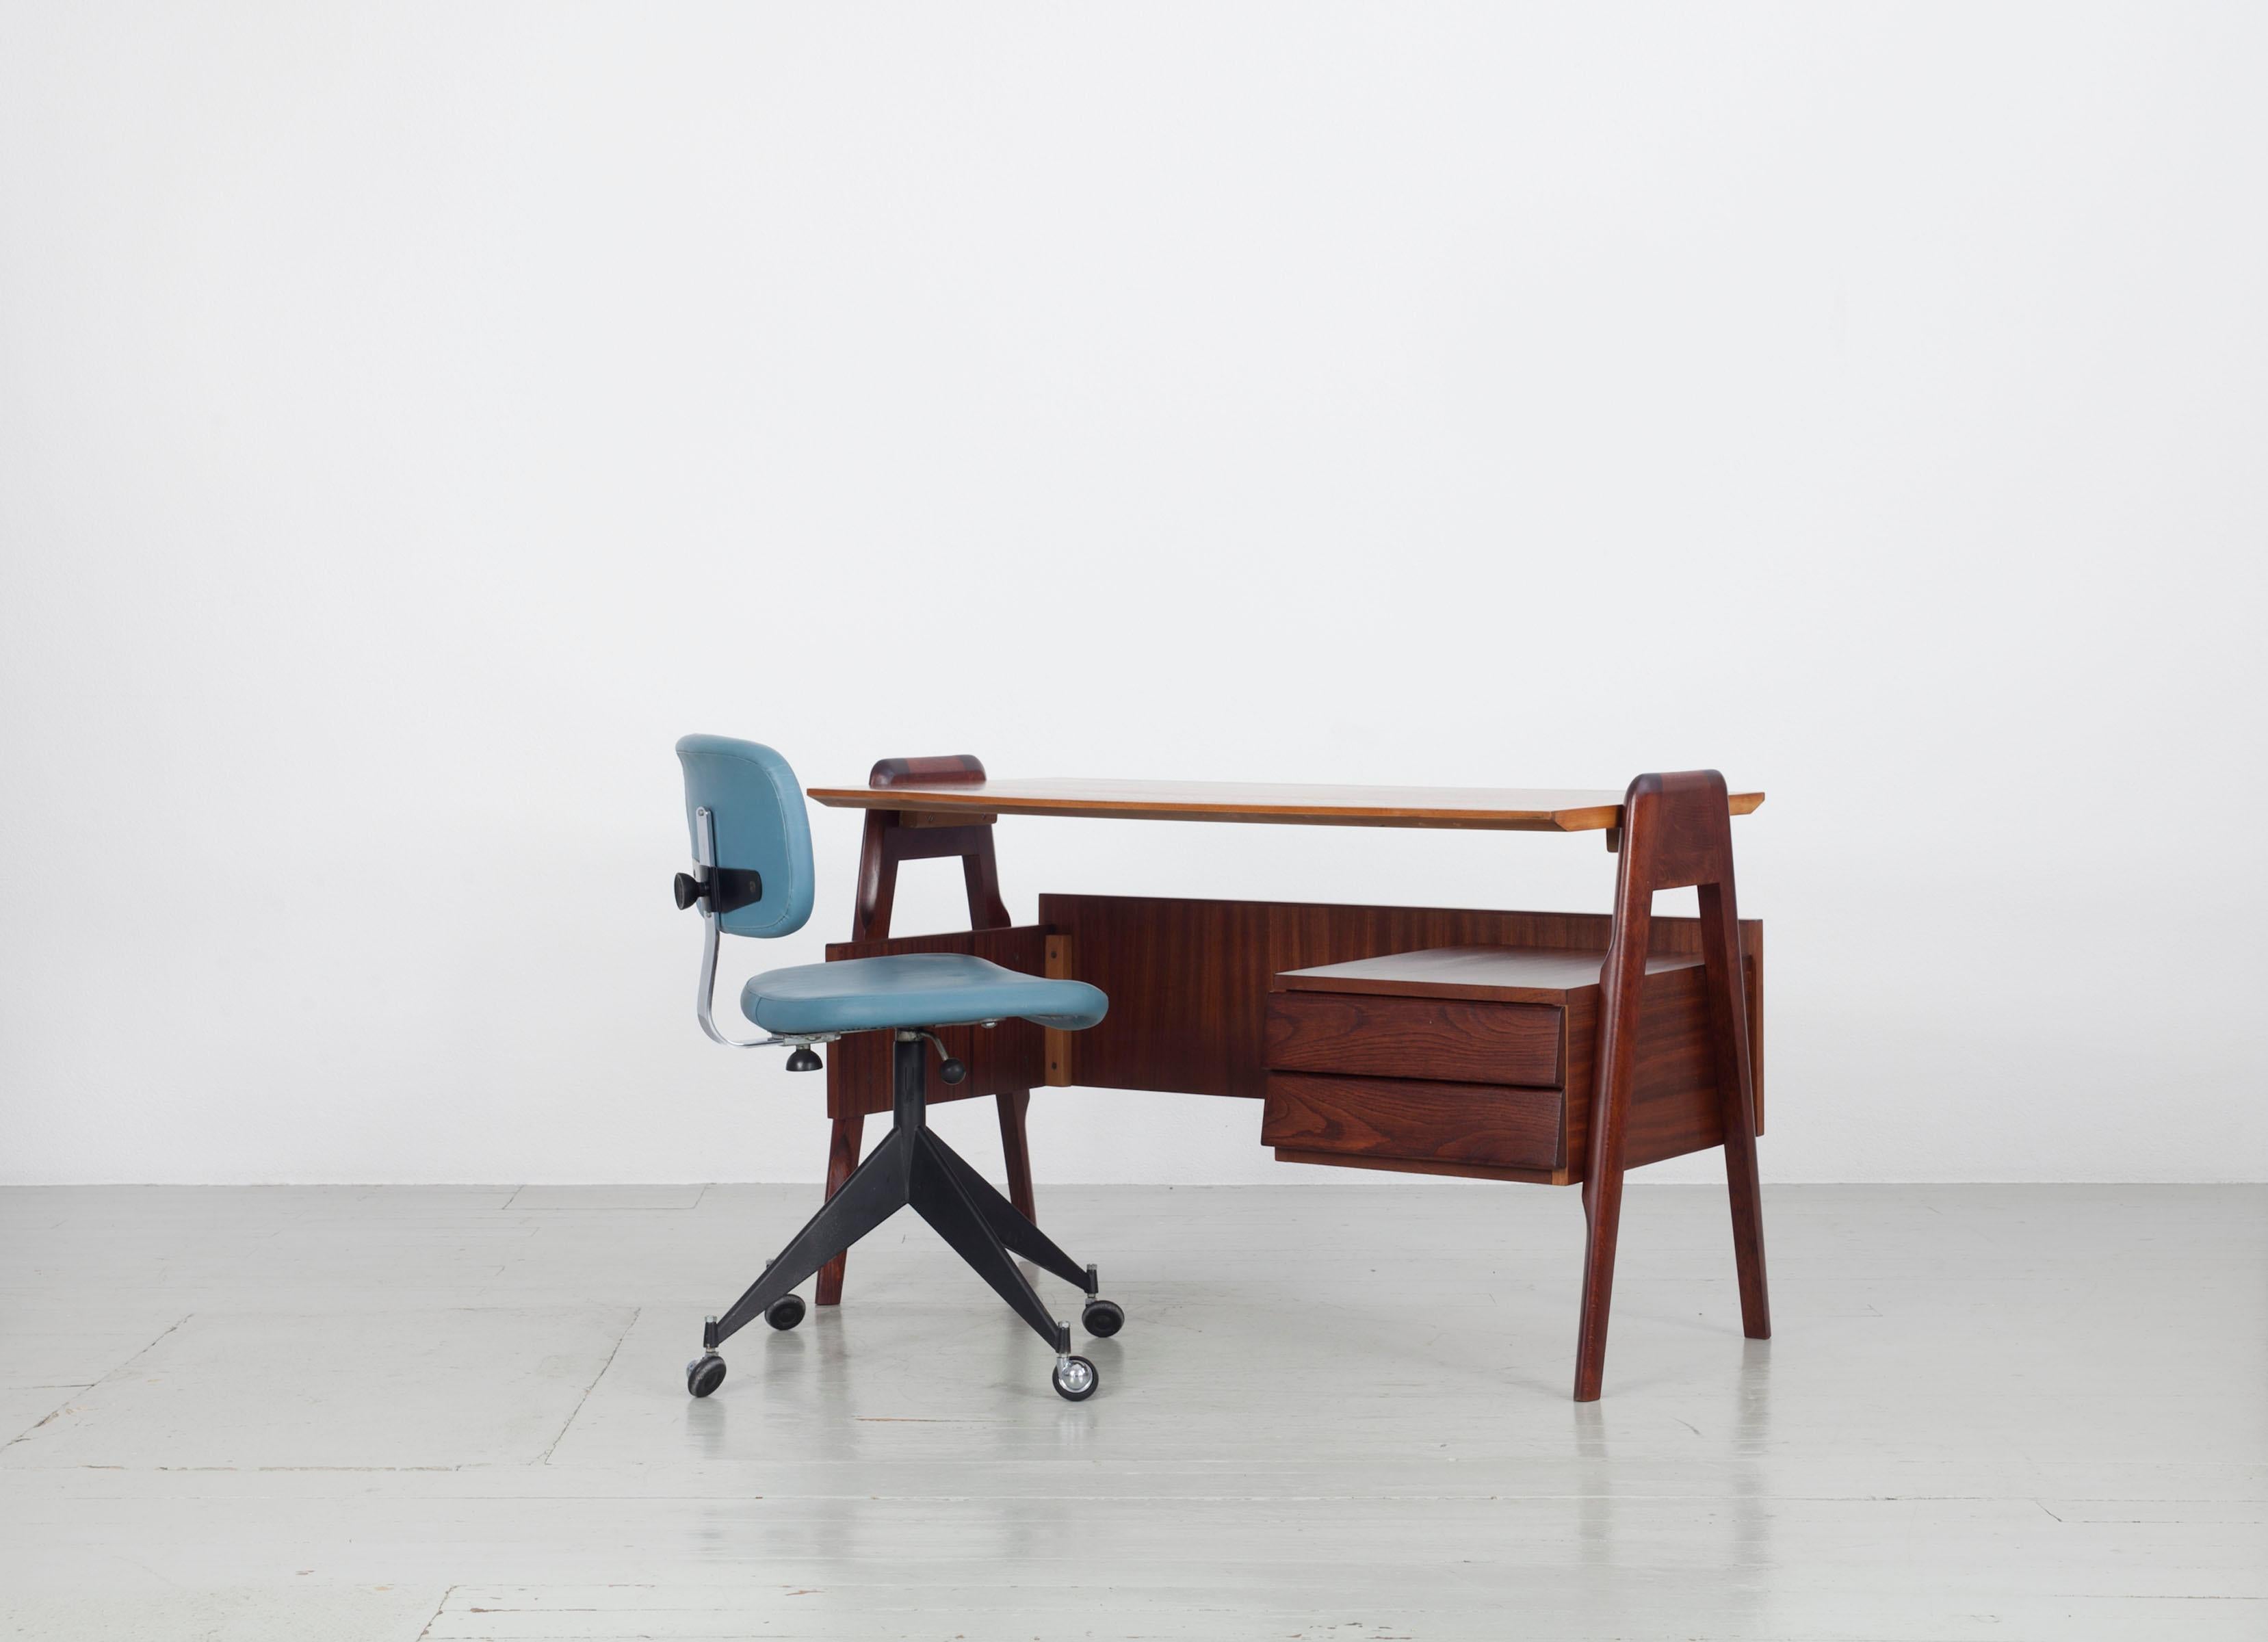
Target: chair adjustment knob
{"x": 801, "y": 1058}
{"x": 728, "y": 889}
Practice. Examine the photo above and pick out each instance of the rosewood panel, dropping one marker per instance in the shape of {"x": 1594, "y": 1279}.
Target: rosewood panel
{"x": 1390, "y": 1117}
{"x": 1414, "y": 1037}
{"x": 1187, "y": 984}
{"x": 1674, "y": 1103}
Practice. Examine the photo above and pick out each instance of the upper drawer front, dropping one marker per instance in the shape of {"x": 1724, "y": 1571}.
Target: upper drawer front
{"x": 1415, "y": 1037}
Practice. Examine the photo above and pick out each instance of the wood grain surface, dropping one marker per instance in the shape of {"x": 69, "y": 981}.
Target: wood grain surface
{"x": 1505, "y": 809}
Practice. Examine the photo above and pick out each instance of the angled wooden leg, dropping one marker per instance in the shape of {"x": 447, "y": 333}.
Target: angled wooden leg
{"x": 891, "y": 837}
{"x": 1720, "y": 951}
{"x": 1624, "y": 973}
{"x": 1603, "y": 1213}
{"x": 1676, "y": 831}
{"x": 842, "y": 1158}
{"x": 1015, "y": 1145}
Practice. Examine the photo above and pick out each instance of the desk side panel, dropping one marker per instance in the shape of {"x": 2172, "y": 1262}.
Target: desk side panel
{"x": 1684, "y": 936}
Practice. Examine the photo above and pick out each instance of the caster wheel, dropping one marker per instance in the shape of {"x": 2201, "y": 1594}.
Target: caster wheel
{"x": 1075, "y": 1379}
{"x": 1103, "y": 1318}
{"x": 785, "y": 1312}
{"x": 704, "y": 1374}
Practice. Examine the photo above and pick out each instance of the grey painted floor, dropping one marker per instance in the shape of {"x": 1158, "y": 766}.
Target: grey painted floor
{"x": 1336, "y": 1411}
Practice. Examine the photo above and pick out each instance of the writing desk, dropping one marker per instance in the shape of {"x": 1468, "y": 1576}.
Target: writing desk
{"x": 1546, "y": 1046}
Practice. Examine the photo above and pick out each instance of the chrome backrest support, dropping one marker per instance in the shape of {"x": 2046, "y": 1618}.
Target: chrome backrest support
{"x": 704, "y": 997}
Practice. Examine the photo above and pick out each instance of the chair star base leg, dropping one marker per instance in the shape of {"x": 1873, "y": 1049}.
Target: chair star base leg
{"x": 913, "y": 1168}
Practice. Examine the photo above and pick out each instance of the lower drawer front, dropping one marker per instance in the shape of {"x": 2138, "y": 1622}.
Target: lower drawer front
{"x": 1397, "y": 1117}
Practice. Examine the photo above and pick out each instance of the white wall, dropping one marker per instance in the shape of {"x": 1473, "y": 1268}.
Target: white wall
{"x": 412, "y": 418}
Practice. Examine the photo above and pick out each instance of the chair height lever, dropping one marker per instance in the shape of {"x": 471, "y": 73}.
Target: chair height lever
{"x": 949, "y": 1069}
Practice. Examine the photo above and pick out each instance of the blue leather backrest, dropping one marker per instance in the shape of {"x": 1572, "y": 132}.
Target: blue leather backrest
{"x": 757, "y": 809}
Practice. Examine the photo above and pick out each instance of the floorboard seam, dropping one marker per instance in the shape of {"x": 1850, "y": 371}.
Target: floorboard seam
{"x": 636, "y": 1313}
{"x": 130, "y": 1360}
{"x": 439, "y": 1608}
{"x": 42, "y": 1420}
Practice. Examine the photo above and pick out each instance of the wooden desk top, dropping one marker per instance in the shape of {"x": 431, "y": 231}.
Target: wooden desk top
{"x": 1495, "y": 809}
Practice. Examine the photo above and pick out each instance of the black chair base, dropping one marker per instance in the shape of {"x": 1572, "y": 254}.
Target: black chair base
{"x": 912, "y": 1167}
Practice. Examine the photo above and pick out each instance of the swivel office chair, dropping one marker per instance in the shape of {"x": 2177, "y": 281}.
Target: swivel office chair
{"x": 752, "y": 876}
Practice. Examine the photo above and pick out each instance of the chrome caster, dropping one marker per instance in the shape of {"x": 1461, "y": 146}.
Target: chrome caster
{"x": 1074, "y": 1378}
{"x": 704, "y": 1373}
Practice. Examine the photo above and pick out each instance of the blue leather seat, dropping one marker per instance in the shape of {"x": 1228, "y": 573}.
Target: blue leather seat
{"x": 914, "y": 990}
{"x": 752, "y": 852}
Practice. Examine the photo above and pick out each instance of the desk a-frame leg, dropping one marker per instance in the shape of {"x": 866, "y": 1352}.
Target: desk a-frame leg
{"x": 1676, "y": 831}
{"x": 896, "y": 836}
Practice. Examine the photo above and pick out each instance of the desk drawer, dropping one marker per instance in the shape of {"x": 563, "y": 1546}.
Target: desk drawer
{"x": 1415, "y": 1037}
{"x": 1431, "y": 1121}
